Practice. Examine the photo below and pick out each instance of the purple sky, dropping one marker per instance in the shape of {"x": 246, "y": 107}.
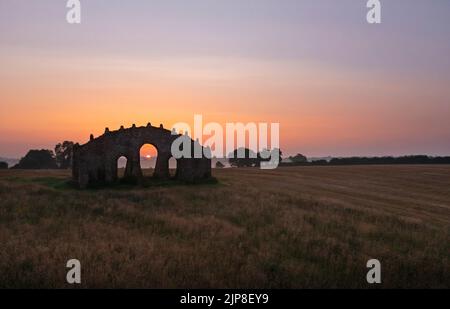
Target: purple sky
{"x": 337, "y": 85}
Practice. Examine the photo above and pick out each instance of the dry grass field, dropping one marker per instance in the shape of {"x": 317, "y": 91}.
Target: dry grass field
{"x": 299, "y": 227}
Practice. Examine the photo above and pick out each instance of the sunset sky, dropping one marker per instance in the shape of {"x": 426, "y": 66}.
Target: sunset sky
{"x": 337, "y": 85}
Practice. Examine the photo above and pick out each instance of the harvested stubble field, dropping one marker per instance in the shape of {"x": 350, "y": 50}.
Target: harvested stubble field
{"x": 299, "y": 227}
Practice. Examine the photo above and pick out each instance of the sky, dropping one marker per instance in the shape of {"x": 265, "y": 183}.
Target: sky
{"x": 337, "y": 85}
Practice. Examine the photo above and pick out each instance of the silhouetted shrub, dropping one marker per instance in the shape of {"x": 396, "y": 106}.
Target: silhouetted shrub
{"x": 3, "y": 165}
{"x": 37, "y": 159}
{"x": 299, "y": 158}
{"x": 243, "y": 157}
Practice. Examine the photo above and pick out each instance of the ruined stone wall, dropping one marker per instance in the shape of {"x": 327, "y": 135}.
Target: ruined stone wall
{"x": 96, "y": 161}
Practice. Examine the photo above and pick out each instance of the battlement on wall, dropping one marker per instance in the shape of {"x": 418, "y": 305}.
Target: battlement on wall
{"x": 133, "y": 128}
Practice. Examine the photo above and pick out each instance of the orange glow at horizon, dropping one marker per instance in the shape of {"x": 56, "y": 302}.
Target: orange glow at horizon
{"x": 55, "y": 99}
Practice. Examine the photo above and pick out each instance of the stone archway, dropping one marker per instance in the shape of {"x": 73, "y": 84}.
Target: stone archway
{"x": 96, "y": 161}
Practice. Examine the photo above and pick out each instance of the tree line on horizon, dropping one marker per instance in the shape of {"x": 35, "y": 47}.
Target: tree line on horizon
{"x": 302, "y": 160}
{"x": 61, "y": 158}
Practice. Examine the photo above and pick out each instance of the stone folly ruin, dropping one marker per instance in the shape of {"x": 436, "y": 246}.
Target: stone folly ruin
{"x": 95, "y": 163}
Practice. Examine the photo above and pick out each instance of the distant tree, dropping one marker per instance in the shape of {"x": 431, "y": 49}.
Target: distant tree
{"x": 298, "y": 158}
{"x": 3, "y": 165}
{"x": 64, "y": 154}
{"x": 266, "y": 155}
{"x": 219, "y": 164}
{"x": 243, "y": 157}
{"x": 37, "y": 159}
